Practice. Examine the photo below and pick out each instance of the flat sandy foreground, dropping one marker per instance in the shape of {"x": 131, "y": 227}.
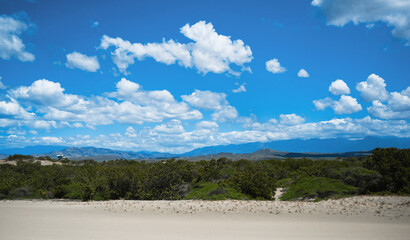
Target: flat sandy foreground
{"x": 350, "y": 218}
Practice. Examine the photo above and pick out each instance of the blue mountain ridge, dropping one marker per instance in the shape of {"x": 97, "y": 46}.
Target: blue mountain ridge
{"x": 336, "y": 145}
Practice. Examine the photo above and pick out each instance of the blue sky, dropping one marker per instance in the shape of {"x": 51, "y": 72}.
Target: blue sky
{"x": 177, "y": 75}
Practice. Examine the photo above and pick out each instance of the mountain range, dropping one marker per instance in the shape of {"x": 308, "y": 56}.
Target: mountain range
{"x": 311, "y": 148}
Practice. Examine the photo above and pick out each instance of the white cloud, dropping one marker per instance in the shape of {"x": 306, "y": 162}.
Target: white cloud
{"x": 49, "y": 140}
{"x": 95, "y": 24}
{"x": 44, "y": 92}
{"x": 240, "y": 89}
{"x": 2, "y": 86}
{"x": 131, "y": 132}
{"x": 131, "y": 105}
{"x": 42, "y": 124}
{"x": 14, "y": 110}
{"x": 16, "y": 131}
{"x": 11, "y": 44}
{"x": 206, "y": 100}
{"x": 212, "y": 101}
{"x": 394, "y": 13}
{"x": 158, "y": 103}
{"x": 291, "y": 119}
{"x": 207, "y": 124}
{"x": 303, "y": 73}
{"x": 322, "y": 104}
{"x": 400, "y": 101}
{"x": 345, "y": 105}
{"x": 397, "y": 107}
{"x": 339, "y": 87}
{"x": 83, "y": 62}
{"x": 374, "y": 88}
{"x": 174, "y": 126}
{"x": 177, "y": 140}
{"x": 382, "y": 111}
{"x": 274, "y": 66}
{"x": 78, "y": 125}
{"x": 227, "y": 113}
{"x": 209, "y": 51}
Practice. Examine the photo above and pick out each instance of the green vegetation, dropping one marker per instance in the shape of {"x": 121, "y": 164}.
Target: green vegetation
{"x": 215, "y": 191}
{"x": 317, "y": 188}
{"x": 387, "y": 171}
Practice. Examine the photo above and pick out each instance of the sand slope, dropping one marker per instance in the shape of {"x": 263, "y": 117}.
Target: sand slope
{"x": 352, "y": 218}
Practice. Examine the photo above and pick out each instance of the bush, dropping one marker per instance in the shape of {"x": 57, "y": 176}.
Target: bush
{"x": 214, "y": 191}
{"x": 23, "y": 192}
{"x": 365, "y": 180}
{"x": 317, "y": 188}
{"x": 394, "y": 166}
{"x": 254, "y": 181}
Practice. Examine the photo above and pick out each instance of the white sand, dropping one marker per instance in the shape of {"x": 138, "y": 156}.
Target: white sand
{"x": 352, "y": 218}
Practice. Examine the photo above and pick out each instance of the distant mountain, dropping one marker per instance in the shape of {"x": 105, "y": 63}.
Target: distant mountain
{"x": 38, "y": 149}
{"x": 310, "y": 148}
{"x": 101, "y": 154}
{"x": 264, "y": 154}
{"x": 336, "y": 145}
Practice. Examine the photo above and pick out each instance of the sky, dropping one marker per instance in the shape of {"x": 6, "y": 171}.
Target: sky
{"x": 173, "y": 76}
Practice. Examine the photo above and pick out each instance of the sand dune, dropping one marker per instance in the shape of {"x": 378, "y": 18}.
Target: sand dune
{"x": 351, "y": 218}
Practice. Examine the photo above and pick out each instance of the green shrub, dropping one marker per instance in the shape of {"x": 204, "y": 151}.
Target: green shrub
{"x": 365, "y": 180}
{"x": 254, "y": 181}
{"x": 317, "y": 188}
{"x": 394, "y": 166}
{"x": 214, "y": 191}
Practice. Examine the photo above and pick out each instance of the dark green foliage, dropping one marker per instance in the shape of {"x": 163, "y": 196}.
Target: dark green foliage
{"x": 387, "y": 170}
{"x": 215, "y": 191}
{"x": 365, "y": 180}
{"x": 317, "y": 188}
{"x": 254, "y": 181}
{"x": 394, "y": 166}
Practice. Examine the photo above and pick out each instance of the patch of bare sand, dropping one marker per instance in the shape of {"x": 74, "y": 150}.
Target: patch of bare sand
{"x": 350, "y": 218}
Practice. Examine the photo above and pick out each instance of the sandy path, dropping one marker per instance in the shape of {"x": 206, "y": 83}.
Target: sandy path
{"x": 363, "y": 218}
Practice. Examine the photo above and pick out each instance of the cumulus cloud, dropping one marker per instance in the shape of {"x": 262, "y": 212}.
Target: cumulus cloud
{"x": 322, "y": 104}
{"x": 227, "y": 113}
{"x": 374, "y": 88}
{"x": 44, "y": 93}
{"x": 206, "y": 100}
{"x": 208, "y": 51}
{"x": 339, "y": 87}
{"x": 212, "y": 101}
{"x": 207, "y": 124}
{"x": 130, "y": 104}
{"x": 131, "y": 132}
{"x": 174, "y": 126}
{"x": 158, "y": 102}
{"x": 291, "y": 119}
{"x": 345, "y": 105}
{"x": 15, "y": 110}
{"x": 393, "y": 13}
{"x": 303, "y": 73}
{"x": 240, "y": 89}
{"x": 274, "y": 66}
{"x": 83, "y": 62}
{"x": 397, "y": 107}
{"x": 11, "y": 44}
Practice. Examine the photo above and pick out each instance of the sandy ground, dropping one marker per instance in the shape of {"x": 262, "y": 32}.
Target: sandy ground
{"x": 351, "y": 218}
